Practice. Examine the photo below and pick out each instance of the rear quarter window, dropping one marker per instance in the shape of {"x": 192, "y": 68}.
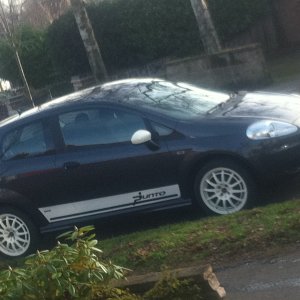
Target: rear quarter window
{"x": 26, "y": 141}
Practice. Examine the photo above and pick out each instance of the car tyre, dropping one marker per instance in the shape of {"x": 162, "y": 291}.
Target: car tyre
{"x": 18, "y": 235}
{"x": 223, "y": 187}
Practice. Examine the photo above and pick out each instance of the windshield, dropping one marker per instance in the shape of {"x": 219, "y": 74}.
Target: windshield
{"x": 177, "y": 100}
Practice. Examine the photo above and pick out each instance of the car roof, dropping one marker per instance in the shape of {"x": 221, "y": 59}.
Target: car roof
{"x": 95, "y": 94}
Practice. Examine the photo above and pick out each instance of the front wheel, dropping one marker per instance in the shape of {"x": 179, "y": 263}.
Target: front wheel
{"x": 224, "y": 187}
{"x": 18, "y": 235}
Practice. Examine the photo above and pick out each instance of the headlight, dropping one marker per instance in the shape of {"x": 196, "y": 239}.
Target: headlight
{"x": 269, "y": 129}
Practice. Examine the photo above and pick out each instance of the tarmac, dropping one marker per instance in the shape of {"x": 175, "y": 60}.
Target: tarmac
{"x": 276, "y": 278}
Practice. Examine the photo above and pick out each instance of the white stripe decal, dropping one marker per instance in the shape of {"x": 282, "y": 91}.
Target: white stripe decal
{"x": 108, "y": 204}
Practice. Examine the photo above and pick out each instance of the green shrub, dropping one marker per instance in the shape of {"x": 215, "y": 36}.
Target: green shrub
{"x": 34, "y": 55}
{"x": 132, "y": 33}
{"x": 108, "y": 293}
{"x": 234, "y": 16}
{"x": 75, "y": 270}
{"x": 171, "y": 288}
{"x": 69, "y": 271}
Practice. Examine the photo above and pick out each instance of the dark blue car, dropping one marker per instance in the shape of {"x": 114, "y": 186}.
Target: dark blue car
{"x": 139, "y": 145}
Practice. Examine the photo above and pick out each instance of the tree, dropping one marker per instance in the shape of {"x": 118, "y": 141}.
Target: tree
{"x": 35, "y": 56}
{"x": 42, "y": 13}
{"x": 206, "y": 27}
{"x": 87, "y": 34}
{"x": 9, "y": 18}
{"x": 133, "y": 33}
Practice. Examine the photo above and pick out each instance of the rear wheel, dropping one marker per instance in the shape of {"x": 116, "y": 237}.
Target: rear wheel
{"x": 18, "y": 235}
{"x": 224, "y": 187}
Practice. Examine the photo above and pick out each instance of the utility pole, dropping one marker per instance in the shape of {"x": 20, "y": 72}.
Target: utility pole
{"x": 10, "y": 37}
{"x": 208, "y": 33}
{"x": 88, "y": 37}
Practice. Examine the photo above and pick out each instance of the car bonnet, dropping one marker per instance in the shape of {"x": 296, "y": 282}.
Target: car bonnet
{"x": 265, "y": 105}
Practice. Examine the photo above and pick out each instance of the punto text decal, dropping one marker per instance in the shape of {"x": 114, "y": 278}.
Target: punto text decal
{"x": 111, "y": 203}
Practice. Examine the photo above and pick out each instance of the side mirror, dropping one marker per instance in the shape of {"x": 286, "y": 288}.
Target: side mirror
{"x": 140, "y": 137}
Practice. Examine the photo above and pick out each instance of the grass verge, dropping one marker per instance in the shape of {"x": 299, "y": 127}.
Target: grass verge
{"x": 207, "y": 240}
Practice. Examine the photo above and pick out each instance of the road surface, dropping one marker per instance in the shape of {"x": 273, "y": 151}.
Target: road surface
{"x": 276, "y": 278}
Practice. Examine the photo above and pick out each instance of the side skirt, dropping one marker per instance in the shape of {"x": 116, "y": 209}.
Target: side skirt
{"x": 150, "y": 208}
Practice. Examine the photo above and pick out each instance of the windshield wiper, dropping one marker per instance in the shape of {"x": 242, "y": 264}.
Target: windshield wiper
{"x": 218, "y": 106}
{"x": 232, "y": 97}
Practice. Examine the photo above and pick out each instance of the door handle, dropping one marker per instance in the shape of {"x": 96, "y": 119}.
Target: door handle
{"x": 70, "y": 165}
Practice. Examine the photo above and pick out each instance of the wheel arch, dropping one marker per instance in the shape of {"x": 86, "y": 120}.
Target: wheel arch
{"x": 11, "y": 199}
{"x": 199, "y": 162}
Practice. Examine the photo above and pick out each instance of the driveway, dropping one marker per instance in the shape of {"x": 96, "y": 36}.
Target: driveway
{"x": 275, "y": 278}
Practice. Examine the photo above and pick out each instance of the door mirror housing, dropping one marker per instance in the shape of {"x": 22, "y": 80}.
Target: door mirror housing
{"x": 140, "y": 137}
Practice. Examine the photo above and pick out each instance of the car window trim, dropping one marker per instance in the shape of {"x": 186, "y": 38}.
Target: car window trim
{"x": 63, "y": 148}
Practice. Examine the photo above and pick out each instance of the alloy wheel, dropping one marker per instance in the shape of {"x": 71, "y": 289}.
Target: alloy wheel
{"x": 14, "y": 235}
{"x": 223, "y": 191}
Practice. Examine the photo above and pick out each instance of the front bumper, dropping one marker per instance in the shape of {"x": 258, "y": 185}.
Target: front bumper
{"x": 275, "y": 158}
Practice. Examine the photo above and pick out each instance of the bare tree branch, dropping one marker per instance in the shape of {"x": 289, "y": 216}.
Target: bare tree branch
{"x": 6, "y": 16}
{"x": 49, "y": 9}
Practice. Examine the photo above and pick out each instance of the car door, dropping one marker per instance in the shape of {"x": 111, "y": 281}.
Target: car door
{"x": 101, "y": 171}
{"x": 27, "y": 162}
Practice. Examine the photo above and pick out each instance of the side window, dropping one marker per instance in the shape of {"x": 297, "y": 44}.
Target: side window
{"x": 26, "y": 141}
{"x": 98, "y": 126}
